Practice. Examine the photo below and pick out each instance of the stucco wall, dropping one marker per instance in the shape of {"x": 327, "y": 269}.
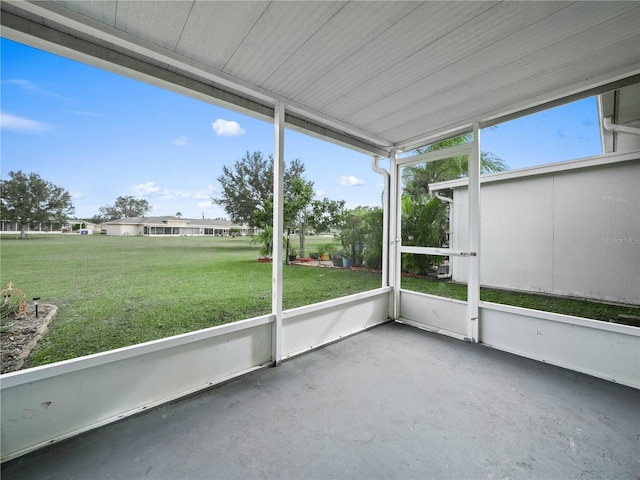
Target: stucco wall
{"x": 123, "y": 230}
{"x": 573, "y": 232}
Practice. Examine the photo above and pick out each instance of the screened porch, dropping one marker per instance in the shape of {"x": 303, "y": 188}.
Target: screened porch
{"x": 385, "y": 383}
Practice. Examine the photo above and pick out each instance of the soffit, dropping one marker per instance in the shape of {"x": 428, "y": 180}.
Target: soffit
{"x": 369, "y": 74}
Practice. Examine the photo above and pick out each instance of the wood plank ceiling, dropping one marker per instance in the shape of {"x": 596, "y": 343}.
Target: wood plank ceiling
{"x": 370, "y": 74}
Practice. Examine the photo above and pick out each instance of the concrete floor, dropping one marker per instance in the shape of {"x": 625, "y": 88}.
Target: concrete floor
{"x": 392, "y": 402}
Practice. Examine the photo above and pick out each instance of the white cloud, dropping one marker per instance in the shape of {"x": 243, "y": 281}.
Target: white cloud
{"x": 77, "y": 195}
{"x": 21, "y": 124}
{"x": 151, "y": 190}
{"x": 29, "y": 86}
{"x": 227, "y": 128}
{"x": 181, "y": 141}
{"x": 148, "y": 188}
{"x": 350, "y": 181}
{"x": 26, "y": 84}
{"x": 202, "y": 195}
{"x": 319, "y": 193}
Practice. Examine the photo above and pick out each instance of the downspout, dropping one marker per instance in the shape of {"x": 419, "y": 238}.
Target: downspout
{"x": 608, "y": 124}
{"x": 385, "y": 219}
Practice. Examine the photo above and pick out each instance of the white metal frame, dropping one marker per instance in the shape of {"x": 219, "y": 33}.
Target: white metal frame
{"x": 455, "y": 151}
{"x": 547, "y": 169}
{"x": 473, "y": 282}
{"x": 395, "y": 264}
{"x": 472, "y": 151}
{"x": 278, "y": 226}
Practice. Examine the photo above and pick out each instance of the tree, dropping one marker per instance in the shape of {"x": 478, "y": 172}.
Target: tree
{"x": 360, "y": 235}
{"x": 297, "y": 199}
{"x": 247, "y": 190}
{"x": 425, "y": 218}
{"x": 371, "y": 224}
{"x": 125, "y": 207}
{"x": 247, "y": 196}
{"x": 28, "y": 199}
{"x": 319, "y": 215}
{"x": 325, "y": 214}
{"x": 96, "y": 219}
{"x": 417, "y": 178}
{"x": 424, "y": 223}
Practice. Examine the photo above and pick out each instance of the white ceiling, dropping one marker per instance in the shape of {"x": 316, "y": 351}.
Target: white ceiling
{"x": 369, "y": 74}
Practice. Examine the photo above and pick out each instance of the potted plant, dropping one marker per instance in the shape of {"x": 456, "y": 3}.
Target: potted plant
{"x": 292, "y": 254}
{"x": 326, "y": 251}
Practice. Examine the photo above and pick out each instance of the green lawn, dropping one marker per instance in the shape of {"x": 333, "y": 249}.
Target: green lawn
{"x": 547, "y": 303}
{"x": 118, "y": 291}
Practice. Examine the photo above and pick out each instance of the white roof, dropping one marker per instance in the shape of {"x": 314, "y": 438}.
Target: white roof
{"x": 174, "y": 221}
{"x": 547, "y": 169}
{"x": 368, "y": 74}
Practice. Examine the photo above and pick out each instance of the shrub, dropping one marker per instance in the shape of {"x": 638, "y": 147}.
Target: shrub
{"x": 12, "y": 302}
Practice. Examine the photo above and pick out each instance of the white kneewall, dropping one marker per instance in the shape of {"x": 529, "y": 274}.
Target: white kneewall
{"x": 605, "y": 350}
{"x": 43, "y": 405}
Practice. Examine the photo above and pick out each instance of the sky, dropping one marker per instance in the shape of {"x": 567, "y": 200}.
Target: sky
{"x": 100, "y": 136}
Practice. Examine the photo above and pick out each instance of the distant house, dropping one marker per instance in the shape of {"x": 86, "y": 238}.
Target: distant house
{"x": 70, "y": 225}
{"x": 170, "y": 225}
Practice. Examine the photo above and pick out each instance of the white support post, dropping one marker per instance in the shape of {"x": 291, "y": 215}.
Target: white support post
{"x": 385, "y": 232}
{"x": 473, "y": 282}
{"x": 395, "y": 214}
{"x": 278, "y": 223}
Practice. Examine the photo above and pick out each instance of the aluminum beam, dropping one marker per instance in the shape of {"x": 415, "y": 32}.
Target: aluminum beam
{"x": 473, "y": 282}
{"x": 395, "y": 209}
{"x": 278, "y": 226}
